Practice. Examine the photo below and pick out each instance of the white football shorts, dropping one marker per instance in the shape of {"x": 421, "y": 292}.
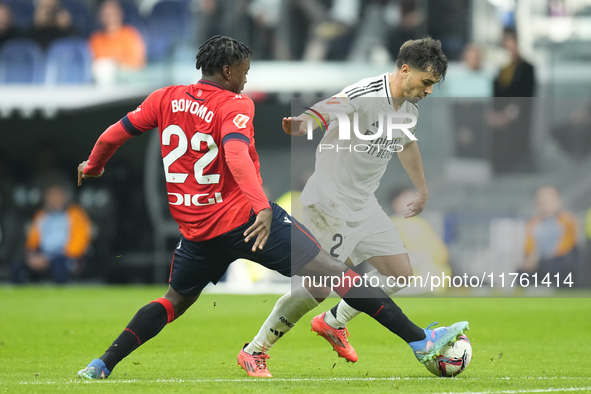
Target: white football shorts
{"x": 374, "y": 236}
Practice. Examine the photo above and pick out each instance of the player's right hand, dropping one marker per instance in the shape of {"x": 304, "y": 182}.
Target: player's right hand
{"x": 416, "y": 206}
{"x": 260, "y": 229}
{"x": 294, "y": 126}
{"x": 82, "y": 175}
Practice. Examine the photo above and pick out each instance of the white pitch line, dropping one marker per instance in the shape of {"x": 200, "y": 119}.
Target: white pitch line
{"x": 80, "y": 381}
{"x": 550, "y": 390}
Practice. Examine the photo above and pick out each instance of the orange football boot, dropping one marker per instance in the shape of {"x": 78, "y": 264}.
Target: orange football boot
{"x": 254, "y": 364}
{"x": 336, "y": 337}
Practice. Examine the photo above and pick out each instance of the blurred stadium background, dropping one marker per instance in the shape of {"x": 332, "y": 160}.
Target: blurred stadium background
{"x": 56, "y": 97}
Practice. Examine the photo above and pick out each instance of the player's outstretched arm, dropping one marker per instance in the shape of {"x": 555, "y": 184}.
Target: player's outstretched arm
{"x": 294, "y": 126}
{"x": 297, "y": 125}
{"x": 104, "y": 148}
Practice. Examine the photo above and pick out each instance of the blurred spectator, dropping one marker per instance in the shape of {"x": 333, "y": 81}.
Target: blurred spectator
{"x": 551, "y": 239}
{"x": 208, "y": 24}
{"x": 331, "y": 37}
{"x": 574, "y": 136}
{"x": 469, "y": 81}
{"x": 471, "y": 58}
{"x": 230, "y": 18}
{"x": 475, "y": 79}
{"x": 411, "y": 26}
{"x": 448, "y": 22}
{"x": 50, "y": 22}
{"x": 58, "y": 239}
{"x": 510, "y": 117}
{"x": 116, "y": 44}
{"x": 516, "y": 79}
{"x": 316, "y": 29}
{"x": 426, "y": 250}
{"x": 556, "y": 8}
{"x": 236, "y": 21}
{"x": 369, "y": 44}
{"x": 47, "y": 168}
{"x": 469, "y": 78}
{"x": 265, "y": 17}
{"x": 7, "y": 30}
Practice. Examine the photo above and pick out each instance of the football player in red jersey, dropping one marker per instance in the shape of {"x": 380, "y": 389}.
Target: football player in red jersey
{"x": 215, "y": 195}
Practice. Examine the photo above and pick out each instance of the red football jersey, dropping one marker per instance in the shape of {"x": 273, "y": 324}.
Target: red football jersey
{"x": 194, "y": 123}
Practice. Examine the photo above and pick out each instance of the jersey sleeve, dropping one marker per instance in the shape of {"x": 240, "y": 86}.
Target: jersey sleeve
{"x": 144, "y": 117}
{"x": 237, "y": 137}
{"x": 329, "y": 109}
{"x": 244, "y": 172}
{"x": 105, "y": 147}
{"x": 337, "y": 103}
{"x": 237, "y": 119}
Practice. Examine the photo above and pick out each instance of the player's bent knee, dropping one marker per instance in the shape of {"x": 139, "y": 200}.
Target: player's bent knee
{"x": 179, "y": 302}
{"x": 319, "y": 293}
{"x": 399, "y": 267}
{"x": 399, "y": 272}
{"x": 323, "y": 265}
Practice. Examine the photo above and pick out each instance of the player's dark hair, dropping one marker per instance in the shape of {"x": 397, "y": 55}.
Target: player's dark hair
{"x": 510, "y": 31}
{"x": 424, "y": 54}
{"x": 220, "y": 51}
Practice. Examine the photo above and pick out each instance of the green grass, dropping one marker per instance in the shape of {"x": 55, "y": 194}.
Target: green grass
{"x": 520, "y": 345}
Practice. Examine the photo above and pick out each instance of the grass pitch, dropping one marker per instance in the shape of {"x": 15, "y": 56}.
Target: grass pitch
{"x": 520, "y": 345}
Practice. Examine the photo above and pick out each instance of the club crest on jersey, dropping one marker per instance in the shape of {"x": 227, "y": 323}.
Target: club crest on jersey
{"x": 241, "y": 120}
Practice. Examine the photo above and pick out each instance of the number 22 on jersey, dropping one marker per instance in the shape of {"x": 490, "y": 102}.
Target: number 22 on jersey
{"x": 181, "y": 149}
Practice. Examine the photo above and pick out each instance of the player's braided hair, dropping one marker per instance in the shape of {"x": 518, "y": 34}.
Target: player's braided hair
{"x": 220, "y": 51}
{"x": 424, "y": 54}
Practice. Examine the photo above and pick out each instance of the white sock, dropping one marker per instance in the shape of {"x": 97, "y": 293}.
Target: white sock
{"x": 287, "y": 311}
{"x": 346, "y": 313}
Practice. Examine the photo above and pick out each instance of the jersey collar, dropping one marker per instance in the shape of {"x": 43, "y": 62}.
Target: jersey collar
{"x": 389, "y": 94}
{"x": 387, "y": 88}
{"x": 203, "y": 81}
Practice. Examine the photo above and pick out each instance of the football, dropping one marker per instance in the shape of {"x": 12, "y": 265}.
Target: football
{"x": 453, "y": 360}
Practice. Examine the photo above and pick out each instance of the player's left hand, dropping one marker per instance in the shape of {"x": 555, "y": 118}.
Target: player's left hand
{"x": 416, "y": 206}
{"x": 82, "y": 175}
{"x": 260, "y": 229}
